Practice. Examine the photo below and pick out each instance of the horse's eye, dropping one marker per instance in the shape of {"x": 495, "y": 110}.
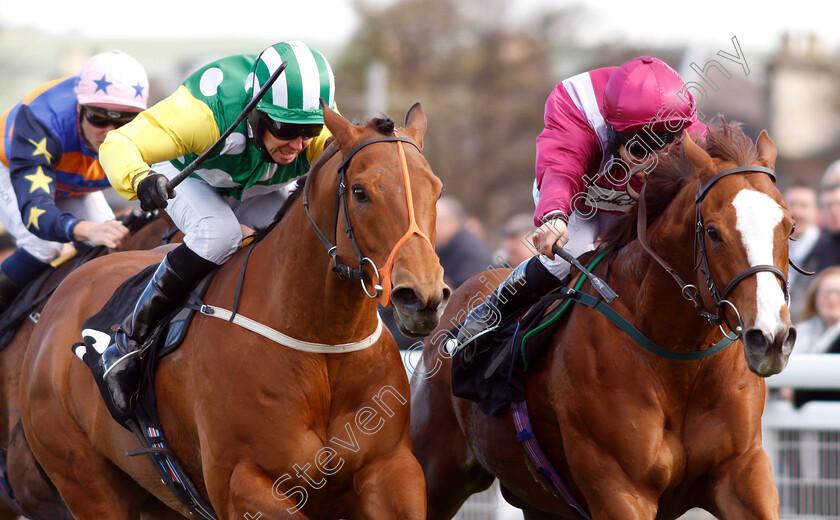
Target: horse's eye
{"x": 360, "y": 194}
{"x": 792, "y": 229}
{"x": 713, "y": 234}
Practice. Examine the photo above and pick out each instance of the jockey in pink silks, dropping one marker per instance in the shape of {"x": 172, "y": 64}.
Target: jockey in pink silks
{"x": 601, "y": 127}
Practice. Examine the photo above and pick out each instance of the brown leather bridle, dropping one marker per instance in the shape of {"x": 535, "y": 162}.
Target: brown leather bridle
{"x": 689, "y": 291}
{"x": 357, "y": 273}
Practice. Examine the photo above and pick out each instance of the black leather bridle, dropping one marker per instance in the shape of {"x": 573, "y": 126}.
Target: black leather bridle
{"x": 719, "y": 297}
{"x": 689, "y": 291}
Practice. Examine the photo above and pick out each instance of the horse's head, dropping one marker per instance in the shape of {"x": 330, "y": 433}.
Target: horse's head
{"x": 390, "y": 203}
{"x": 742, "y": 227}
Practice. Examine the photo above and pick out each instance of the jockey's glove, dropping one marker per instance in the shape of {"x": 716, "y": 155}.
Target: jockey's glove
{"x": 153, "y": 193}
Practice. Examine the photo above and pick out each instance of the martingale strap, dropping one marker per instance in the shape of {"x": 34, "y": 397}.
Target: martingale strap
{"x": 525, "y": 435}
{"x": 575, "y": 295}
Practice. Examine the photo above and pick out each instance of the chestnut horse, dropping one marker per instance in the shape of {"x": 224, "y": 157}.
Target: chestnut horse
{"x": 34, "y": 495}
{"x": 299, "y": 427}
{"x": 634, "y": 434}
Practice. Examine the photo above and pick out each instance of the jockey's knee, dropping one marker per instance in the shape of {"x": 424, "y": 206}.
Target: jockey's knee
{"x": 215, "y": 240}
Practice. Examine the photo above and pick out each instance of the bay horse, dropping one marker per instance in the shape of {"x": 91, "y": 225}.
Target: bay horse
{"x": 261, "y": 428}
{"x": 634, "y": 434}
{"x": 33, "y": 493}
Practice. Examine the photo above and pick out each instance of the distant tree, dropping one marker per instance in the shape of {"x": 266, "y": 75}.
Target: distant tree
{"x": 482, "y": 79}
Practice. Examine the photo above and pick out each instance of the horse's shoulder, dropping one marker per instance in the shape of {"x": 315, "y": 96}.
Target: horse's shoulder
{"x": 481, "y": 283}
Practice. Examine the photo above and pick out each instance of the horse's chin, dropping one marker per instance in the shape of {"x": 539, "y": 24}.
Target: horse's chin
{"x": 416, "y": 324}
{"x": 767, "y": 365}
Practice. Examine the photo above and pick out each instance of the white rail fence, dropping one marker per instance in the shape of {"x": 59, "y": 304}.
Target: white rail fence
{"x": 804, "y": 444}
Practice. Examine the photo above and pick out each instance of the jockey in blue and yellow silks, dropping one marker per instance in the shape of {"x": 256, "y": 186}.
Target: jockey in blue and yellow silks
{"x": 50, "y": 179}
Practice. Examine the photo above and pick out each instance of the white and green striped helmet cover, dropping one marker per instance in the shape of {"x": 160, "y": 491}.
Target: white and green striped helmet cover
{"x": 294, "y": 96}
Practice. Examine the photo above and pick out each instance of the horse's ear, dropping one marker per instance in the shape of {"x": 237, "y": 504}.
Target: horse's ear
{"x": 341, "y": 128}
{"x": 701, "y": 160}
{"x": 415, "y": 124}
{"x": 766, "y": 149}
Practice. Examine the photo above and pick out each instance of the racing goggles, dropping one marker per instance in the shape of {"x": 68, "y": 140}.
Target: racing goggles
{"x": 104, "y": 117}
{"x": 289, "y": 131}
{"x": 648, "y": 138}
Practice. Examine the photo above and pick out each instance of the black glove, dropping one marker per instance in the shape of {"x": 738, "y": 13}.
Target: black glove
{"x": 152, "y": 192}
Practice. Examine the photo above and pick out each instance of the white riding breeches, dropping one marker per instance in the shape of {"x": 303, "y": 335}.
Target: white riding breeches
{"x": 211, "y": 221}
{"x": 91, "y": 207}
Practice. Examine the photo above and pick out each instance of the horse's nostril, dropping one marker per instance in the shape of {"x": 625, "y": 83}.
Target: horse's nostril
{"x": 790, "y": 340}
{"x": 407, "y": 299}
{"x": 755, "y": 339}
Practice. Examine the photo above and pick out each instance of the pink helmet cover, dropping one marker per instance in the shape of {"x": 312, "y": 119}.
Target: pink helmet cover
{"x": 113, "y": 80}
{"x": 638, "y": 93}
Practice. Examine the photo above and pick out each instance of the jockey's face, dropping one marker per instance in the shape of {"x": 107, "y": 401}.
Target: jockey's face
{"x": 96, "y": 124}
{"x": 284, "y": 151}
{"x": 632, "y": 160}
{"x": 639, "y": 147}
{"x": 94, "y": 135}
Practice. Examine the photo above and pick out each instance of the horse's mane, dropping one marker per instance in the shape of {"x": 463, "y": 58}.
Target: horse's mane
{"x": 383, "y": 125}
{"x": 723, "y": 140}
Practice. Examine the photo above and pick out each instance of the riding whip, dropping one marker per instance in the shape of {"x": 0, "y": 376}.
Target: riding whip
{"x": 603, "y": 289}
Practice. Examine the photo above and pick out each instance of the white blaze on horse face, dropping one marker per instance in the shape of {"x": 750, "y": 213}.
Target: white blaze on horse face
{"x": 757, "y": 217}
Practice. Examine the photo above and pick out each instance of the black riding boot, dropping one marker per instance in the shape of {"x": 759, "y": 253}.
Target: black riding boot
{"x": 8, "y": 292}
{"x": 169, "y": 287}
{"x": 523, "y": 286}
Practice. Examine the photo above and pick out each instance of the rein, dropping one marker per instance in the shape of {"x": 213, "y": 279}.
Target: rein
{"x": 575, "y": 295}
{"x": 689, "y": 291}
{"x": 339, "y": 267}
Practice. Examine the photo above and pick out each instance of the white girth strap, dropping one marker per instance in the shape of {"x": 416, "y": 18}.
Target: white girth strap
{"x": 279, "y": 337}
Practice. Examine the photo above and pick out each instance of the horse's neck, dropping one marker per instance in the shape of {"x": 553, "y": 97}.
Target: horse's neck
{"x": 659, "y": 295}
{"x": 303, "y": 297}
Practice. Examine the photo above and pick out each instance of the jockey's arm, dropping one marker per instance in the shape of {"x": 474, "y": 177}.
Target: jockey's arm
{"x": 33, "y": 151}
{"x": 568, "y": 156}
{"x": 33, "y": 154}
{"x": 178, "y": 125}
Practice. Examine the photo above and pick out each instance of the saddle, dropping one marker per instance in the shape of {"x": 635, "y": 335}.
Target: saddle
{"x": 30, "y": 298}
{"x": 491, "y": 371}
{"x": 98, "y": 332}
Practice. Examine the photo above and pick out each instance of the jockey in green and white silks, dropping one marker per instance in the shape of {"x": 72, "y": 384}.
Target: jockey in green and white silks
{"x": 239, "y": 186}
